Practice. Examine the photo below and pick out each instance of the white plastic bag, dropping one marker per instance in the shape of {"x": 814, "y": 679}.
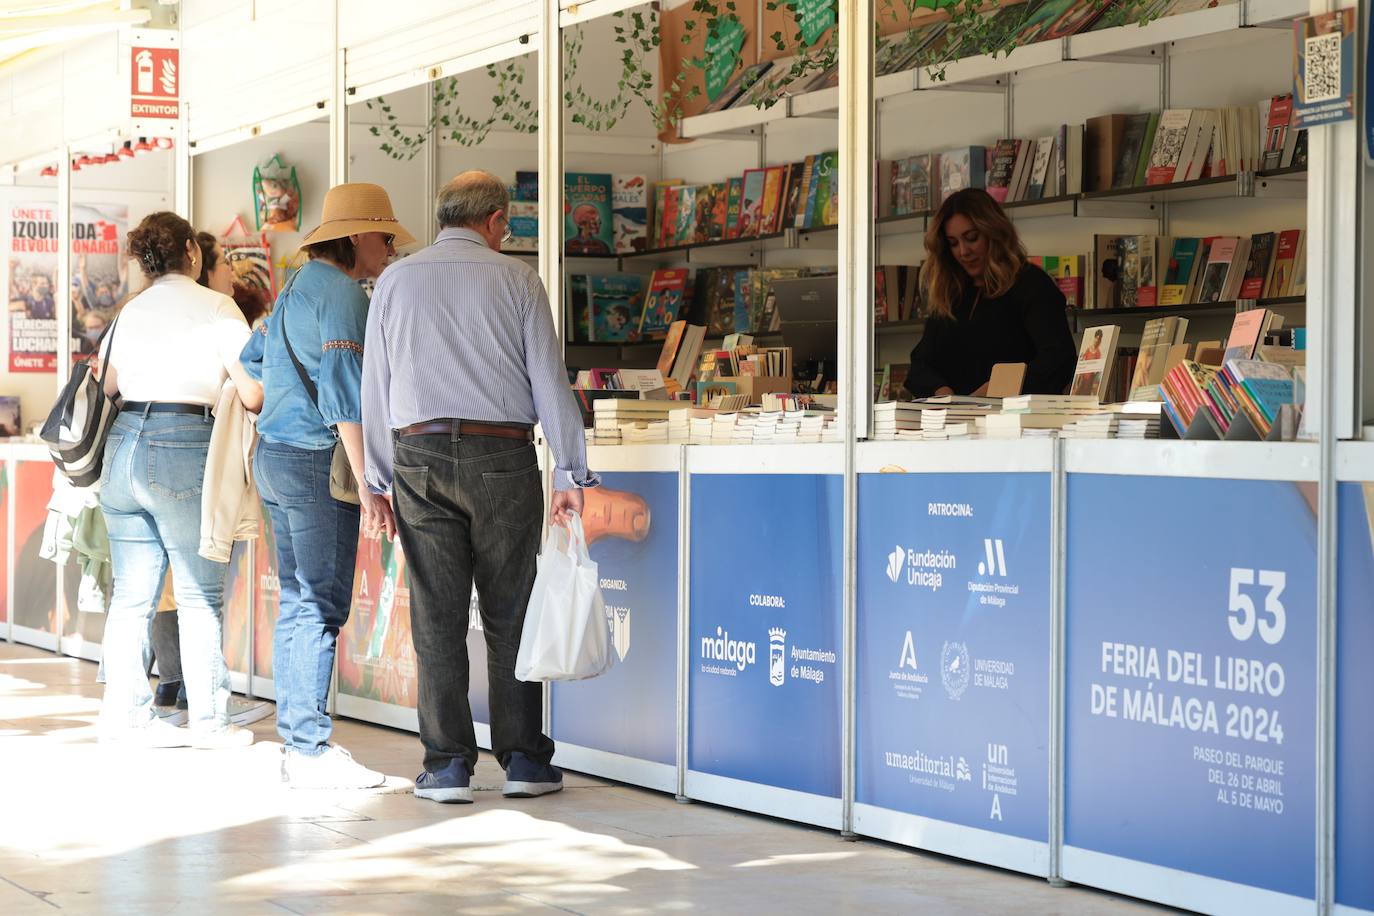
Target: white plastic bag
{"x": 567, "y": 633}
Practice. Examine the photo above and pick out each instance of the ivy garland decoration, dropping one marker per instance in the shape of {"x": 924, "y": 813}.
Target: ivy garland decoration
{"x": 974, "y": 27}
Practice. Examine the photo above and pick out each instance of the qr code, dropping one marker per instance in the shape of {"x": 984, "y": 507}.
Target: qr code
{"x": 1322, "y": 81}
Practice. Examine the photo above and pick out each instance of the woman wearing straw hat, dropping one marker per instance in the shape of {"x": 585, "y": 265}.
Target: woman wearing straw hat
{"x": 309, "y": 356}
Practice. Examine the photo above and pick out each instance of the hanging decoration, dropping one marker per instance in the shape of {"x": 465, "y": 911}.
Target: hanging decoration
{"x": 249, "y": 255}
{"x": 277, "y": 193}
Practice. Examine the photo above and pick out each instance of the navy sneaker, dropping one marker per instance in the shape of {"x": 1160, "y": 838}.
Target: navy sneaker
{"x": 450, "y": 786}
{"x": 527, "y": 779}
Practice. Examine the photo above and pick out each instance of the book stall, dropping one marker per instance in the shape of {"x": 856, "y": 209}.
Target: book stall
{"x": 1110, "y": 634}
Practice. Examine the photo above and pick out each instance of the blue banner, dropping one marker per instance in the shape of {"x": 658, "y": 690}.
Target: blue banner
{"x": 954, "y": 648}
{"x": 1191, "y": 675}
{"x": 631, "y": 523}
{"x": 1354, "y": 690}
{"x": 765, "y": 635}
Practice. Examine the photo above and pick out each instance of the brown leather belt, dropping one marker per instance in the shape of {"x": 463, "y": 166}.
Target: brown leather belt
{"x": 468, "y": 428}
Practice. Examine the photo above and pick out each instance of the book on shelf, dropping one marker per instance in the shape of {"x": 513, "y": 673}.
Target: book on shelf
{"x": 1106, "y": 261}
{"x": 629, "y": 212}
{"x": 1136, "y": 283}
{"x": 577, "y": 309}
{"x": 524, "y": 226}
{"x": 734, "y": 193}
{"x": 589, "y": 225}
{"x": 1167, "y": 148}
{"x": 1277, "y": 115}
{"x": 737, "y": 87}
{"x": 1220, "y": 263}
{"x": 526, "y": 186}
{"x": 684, "y": 215}
{"x": 1103, "y": 138}
{"x": 1180, "y": 271}
{"x": 1132, "y": 142}
{"x": 1258, "y": 266}
{"x": 960, "y": 168}
{"x": 793, "y": 198}
{"x": 617, "y": 301}
{"x": 751, "y": 204}
{"x": 664, "y": 197}
{"x": 1286, "y": 249}
{"x": 1095, "y": 356}
{"x": 1044, "y": 148}
{"x": 919, "y": 174}
{"x": 823, "y": 197}
{"x": 1067, "y": 272}
{"x": 663, "y": 301}
{"x": 1003, "y": 166}
{"x": 773, "y": 191}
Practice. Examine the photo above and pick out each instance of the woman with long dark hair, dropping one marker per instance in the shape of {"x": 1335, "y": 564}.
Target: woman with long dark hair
{"x": 168, "y": 355}
{"x": 985, "y": 304}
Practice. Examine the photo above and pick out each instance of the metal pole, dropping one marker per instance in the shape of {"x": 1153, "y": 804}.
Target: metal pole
{"x": 856, "y": 30}
{"x": 338, "y": 174}
{"x": 684, "y": 617}
{"x": 1058, "y": 699}
{"x": 63, "y": 298}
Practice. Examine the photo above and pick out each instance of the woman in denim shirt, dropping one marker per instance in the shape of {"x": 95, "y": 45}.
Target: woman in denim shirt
{"x": 323, "y": 313}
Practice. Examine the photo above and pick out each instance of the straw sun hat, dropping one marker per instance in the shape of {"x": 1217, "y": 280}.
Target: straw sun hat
{"x": 357, "y": 207}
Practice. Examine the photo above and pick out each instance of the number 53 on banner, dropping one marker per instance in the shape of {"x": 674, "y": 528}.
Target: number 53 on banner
{"x": 1243, "y": 617}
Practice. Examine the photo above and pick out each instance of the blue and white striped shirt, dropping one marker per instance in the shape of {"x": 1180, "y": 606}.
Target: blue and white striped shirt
{"x": 460, "y": 331}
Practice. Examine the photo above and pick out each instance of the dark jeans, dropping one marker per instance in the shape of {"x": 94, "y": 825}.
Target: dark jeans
{"x": 470, "y": 510}
{"x": 317, "y": 551}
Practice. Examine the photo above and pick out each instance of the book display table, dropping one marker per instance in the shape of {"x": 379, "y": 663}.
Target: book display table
{"x": 954, "y": 649}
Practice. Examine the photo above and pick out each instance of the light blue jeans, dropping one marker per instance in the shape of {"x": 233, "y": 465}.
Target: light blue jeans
{"x": 317, "y": 549}
{"x": 150, "y": 494}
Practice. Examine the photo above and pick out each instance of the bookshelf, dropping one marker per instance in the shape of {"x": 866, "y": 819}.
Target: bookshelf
{"x": 1229, "y": 307}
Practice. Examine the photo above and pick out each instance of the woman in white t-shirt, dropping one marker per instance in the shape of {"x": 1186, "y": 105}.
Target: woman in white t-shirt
{"x": 167, "y": 356}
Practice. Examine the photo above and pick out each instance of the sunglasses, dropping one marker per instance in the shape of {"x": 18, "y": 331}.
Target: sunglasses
{"x": 390, "y": 239}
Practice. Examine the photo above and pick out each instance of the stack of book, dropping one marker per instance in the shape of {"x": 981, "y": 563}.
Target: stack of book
{"x": 651, "y": 432}
{"x": 895, "y": 421}
{"x": 612, "y": 415}
{"x": 1047, "y": 411}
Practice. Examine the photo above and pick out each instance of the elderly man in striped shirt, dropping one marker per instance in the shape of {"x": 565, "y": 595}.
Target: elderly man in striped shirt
{"x": 461, "y": 360}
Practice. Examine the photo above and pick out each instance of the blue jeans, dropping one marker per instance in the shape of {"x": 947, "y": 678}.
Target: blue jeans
{"x": 317, "y": 549}
{"x": 150, "y": 494}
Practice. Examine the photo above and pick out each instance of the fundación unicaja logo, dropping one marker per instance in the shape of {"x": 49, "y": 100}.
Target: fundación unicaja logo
{"x": 777, "y": 656}
{"x": 895, "y": 561}
{"x": 954, "y": 671}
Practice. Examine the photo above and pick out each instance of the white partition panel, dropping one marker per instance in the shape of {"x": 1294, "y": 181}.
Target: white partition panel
{"x": 394, "y": 46}
{"x": 263, "y": 64}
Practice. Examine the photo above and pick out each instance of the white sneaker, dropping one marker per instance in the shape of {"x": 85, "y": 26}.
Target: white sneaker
{"x": 334, "y": 769}
{"x": 246, "y": 712}
{"x": 228, "y": 737}
{"x": 156, "y": 733}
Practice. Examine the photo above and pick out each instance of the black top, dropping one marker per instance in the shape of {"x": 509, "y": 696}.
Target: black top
{"x": 1028, "y": 324}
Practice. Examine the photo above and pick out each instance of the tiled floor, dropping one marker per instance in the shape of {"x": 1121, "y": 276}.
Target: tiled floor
{"x": 88, "y": 828}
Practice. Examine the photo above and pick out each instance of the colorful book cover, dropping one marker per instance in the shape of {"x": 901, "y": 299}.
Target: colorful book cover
{"x": 1257, "y": 267}
{"x": 663, "y": 302}
{"x": 1218, "y": 265}
{"x": 734, "y": 194}
{"x": 794, "y": 192}
{"x": 1285, "y": 255}
{"x": 824, "y": 209}
{"x": 527, "y": 186}
{"x": 630, "y": 212}
{"x": 588, "y": 225}
{"x": 616, "y": 303}
{"x": 1179, "y": 270}
{"x": 901, "y": 188}
{"x": 918, "y": 169}
{"x": 751, "y": 205}
{"x": 577, "y": 323}
{"x": 720, "y": 205}
{"x": 1093, "y": 373}
{"x": 1067, "y": 272}
{"x": 804, "y": 197}
{"x": 524, "y": 226}
{"x": 1132, "y": 139}
{"x": 1003, "y": 164}
{"x": 1168, "y": 145}
{"x": 703, "y": 209}
{"x": 743, "y": 301}
{"x": 964, "y": 168}
{"x": 684, "y": 215}
{"x": 772, "y": 196}
{"x": 663, "y": 198}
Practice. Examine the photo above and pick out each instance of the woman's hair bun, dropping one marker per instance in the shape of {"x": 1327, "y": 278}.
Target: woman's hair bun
{"x": 158, "y": 243}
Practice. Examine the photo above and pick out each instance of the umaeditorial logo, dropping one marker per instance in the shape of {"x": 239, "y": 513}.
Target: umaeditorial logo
{"x": 777, "y": 656}
{"x": 962, "y": 771}
{"x": 740, "y": 652}
{"x": 954, "y": 667}
{"x": 895, "y": 561}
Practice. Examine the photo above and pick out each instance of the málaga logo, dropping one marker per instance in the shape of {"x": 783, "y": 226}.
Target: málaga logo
{"x": 895, "y": 561}
{"x": 954, "y": 669}
{"x": 777, "y": 656}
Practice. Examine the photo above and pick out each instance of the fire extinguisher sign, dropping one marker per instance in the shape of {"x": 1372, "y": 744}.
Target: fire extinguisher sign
{"x": 154, "y": 78}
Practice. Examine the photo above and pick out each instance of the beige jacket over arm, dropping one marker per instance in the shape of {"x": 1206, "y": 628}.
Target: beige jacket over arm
{"x": 229, "y": 508}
